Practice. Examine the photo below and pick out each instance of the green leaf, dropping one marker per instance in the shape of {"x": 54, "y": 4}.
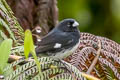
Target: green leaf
{"x": 28, "y": 43}
{"x": 29, "y": 48}
{"x": 5, "y": 50}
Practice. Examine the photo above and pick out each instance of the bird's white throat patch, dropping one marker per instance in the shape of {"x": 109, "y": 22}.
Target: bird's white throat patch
{"x": 57, "y": 45}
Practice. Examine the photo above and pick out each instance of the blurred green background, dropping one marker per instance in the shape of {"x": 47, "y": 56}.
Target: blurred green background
{"x": 99, "y": 17}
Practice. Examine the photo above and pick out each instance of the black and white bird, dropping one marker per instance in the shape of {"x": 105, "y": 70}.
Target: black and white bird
{"x": 61, "y": 42}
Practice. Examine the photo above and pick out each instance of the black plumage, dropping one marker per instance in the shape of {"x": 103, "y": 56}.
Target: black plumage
{"x": 63, "y": 38}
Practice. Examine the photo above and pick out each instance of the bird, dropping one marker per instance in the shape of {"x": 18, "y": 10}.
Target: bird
{"x": 61, "y": 41}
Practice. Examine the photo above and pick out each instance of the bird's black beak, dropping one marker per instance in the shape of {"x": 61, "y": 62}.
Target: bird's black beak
{"x": 75, "y": 24}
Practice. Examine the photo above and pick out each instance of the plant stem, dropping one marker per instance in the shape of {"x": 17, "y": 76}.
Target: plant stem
{"x": 37, "y": 63}
{"x": 95, "y": 59}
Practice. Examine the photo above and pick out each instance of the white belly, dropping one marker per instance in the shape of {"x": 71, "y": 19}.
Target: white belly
{"x": 64, "y": 54}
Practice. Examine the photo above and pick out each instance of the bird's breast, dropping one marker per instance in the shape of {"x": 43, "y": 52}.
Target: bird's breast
{"x": 66, "y": 52}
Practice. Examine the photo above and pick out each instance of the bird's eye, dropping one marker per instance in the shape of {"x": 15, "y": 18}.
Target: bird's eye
{"x": 70, "y": 24}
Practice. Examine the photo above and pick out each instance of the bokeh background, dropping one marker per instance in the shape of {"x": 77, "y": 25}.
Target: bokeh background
{"x": 99, "y": 17}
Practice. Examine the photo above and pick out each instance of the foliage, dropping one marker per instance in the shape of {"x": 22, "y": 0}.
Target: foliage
{"x": 107, "y": 67}
{"x": 5, "y": 50}
{"x": 30, "y": 48}
{"x": 29, "y": 70}
{"x": 98, "y": 17}
{"x": 10, "y": 24}
{"x": 8, "y": 21}
{"x": 28, "y": 44}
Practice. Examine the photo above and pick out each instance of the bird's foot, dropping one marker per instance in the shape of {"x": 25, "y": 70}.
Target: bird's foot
{"x": 64, "y": 65}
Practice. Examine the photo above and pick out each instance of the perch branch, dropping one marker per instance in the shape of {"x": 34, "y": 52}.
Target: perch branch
{"x": 15, "y": 57}
{"x": 95, "y": 59}
{"x": 89, "y": 77}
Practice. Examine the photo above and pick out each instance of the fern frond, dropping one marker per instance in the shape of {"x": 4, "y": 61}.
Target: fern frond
{"x": 27, "y": 73}
{"x": 110, "y": 71}
{"x": 110, "y": 56}
{"x": 86, "y": 52}
{"x": 112, "y": 44}
{"x": 3, "y": 23}
{"x": 29, "y": 70}
{"x": 10, "y": 66}
{"x": 82, "y": 56}
{"x": 3, "y": 35}
{"x": 73, "y": 69}
{"x": 9, "y": 22}
{"x": 18, "y": 50}
{"x": 63, "y": 76}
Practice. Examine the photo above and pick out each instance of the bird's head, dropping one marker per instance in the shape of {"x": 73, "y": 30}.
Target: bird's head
{"x": 68, "y": 25}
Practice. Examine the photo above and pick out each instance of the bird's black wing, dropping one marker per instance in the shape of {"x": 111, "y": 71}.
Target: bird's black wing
{"x": 48, "y": 42}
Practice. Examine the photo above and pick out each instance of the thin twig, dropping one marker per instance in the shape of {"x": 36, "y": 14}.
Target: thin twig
{"x": 95, "y": 60}
{"x": 15, "y": 57}
{"x": 89, "y": 77}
